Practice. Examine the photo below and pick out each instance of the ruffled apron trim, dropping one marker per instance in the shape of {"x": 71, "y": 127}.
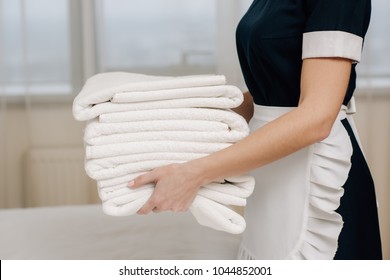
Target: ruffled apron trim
{"x": 328, "y": 171}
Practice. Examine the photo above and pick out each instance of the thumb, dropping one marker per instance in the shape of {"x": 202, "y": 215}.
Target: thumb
{"x": 142, "y": 180}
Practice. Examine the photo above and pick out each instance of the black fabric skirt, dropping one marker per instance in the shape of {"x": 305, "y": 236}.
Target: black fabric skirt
{"x": 360, "y": 236}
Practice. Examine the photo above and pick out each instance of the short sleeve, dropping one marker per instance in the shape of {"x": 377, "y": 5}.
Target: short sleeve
{"x": 335, "y": 28}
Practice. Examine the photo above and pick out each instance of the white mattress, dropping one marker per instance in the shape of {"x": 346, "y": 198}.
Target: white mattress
{"x": 84, "y": 232}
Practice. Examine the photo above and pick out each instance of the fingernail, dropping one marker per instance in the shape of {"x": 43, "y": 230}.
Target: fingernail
{"x": 130, "y": 184}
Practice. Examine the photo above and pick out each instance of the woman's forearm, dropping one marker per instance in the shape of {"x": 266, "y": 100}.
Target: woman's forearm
{"x": 273, "y": 141}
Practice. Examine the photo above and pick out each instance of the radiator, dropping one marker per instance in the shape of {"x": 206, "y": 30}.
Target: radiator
{"x": 56, "y": 176}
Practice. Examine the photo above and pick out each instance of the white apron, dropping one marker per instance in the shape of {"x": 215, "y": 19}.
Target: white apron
{"x": 291, "y": 214}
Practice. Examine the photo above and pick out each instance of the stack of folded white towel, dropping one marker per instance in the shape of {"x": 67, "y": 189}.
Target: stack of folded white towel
{"x": 137, "y": 122}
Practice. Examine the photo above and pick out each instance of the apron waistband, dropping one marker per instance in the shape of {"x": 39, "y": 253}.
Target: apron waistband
{"x": 269, "y": 113}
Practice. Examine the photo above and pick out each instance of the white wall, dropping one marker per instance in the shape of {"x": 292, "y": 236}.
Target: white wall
{"x": 372, "y": 121}
{"x": 52, "y": 126}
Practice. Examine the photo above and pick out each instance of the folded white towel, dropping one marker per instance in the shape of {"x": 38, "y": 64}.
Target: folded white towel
{"x": 231, "y": 191}
{"x": 184, "y": 136}
{"x": 121, "y": 149}
{"x": 206, "y": 210}
{"x": 96, "y": 96}
{"x": 230, "y": 118}
{"x": 118, "y": 181}
{"x": 207, "y": 93}
{"x": 96, "y": 130}
{"x": 108, "y": 107}
{"x": 93, "y": 166}
{"x": 210, "y": 206}
{"x": 239, "y": 186}
{"x": 192, "y": 124}
{"x": 112, "y": 166}
{"x": 217, "y": 216}
{"x": 217, "y": 191}
{"x": 101, "y": 133}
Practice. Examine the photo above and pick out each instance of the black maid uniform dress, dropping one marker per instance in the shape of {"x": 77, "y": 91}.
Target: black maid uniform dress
{"x": 318, "y": 203}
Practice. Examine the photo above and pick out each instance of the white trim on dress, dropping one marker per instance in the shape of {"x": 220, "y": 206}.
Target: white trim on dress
{"x": 332, "y": 44}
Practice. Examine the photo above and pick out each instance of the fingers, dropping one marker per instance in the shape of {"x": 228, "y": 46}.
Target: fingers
{"x": 142, "y": 180}
{"x": 152, "y": 205}
{"x": 155, "y": 203}
{"x": 168, "y": 193}
{"x": 158, "y": 204}
{"x": 146, "y": 208}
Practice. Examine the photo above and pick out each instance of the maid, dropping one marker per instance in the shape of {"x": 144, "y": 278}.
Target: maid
{"x": 314, "y": 196}
{"x": 300, "y": 55}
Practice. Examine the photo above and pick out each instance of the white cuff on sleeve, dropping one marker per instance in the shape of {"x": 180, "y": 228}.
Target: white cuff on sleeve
{"x": 332, "y": 44}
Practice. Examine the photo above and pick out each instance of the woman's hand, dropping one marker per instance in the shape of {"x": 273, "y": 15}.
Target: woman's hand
{"x": 176, "y": 186}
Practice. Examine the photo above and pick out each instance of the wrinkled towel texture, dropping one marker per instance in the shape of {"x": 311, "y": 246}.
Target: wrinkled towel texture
{"x": 137, "y": 122}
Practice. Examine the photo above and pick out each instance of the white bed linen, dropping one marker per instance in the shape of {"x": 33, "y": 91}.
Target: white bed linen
{"x": 85, "y": 232}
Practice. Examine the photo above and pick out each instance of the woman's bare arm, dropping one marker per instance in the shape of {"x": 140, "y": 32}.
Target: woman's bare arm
{"x": 323, "y": 86}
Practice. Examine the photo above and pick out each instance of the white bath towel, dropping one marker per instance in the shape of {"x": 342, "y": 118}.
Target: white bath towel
{"x": 227, "y": 117}
{"x": 98, "y": 93}
{"x": 117, "y": 166}
{"x": 96, "y": 132}
{"x": 211, "y": 206}
{"x": 203, "y": 92}
{"x": 191, "y": 124}
{"x": 93, "y": 166}
{"x": 129, "y": 148}
{"x": 208, "y": 209}
{"x": 232, "y": 192}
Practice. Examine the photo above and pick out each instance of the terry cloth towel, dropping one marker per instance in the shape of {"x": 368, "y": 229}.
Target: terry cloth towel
{"x": 232, "y": 191}
{"x": 136, "y": 123}
{"x": 189, "y": 124}
{"x": 121, "y": 92}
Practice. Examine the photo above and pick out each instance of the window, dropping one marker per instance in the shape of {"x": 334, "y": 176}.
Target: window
{"x": 42, "y": 42}
{"x": 49, "y": 47}
{"x": 168, "y": 37}
{"x": 374, "y": 69}
{"x": 34, "y": 46}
